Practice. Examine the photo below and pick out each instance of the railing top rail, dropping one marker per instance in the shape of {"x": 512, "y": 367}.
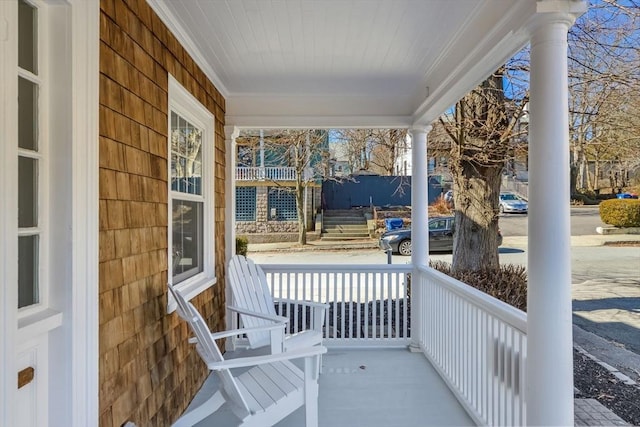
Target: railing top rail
{"x": 503, "y": 311}
{"x": 337, "y": 268}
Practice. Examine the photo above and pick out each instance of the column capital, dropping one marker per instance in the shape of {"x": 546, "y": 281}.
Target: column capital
{"x": 420, "y": 129}
{"x": 231, "y": 132}
{"x": 557, "y": 11}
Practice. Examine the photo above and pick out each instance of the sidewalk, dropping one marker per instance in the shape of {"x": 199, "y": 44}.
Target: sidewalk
{"x": 510, "y": 241}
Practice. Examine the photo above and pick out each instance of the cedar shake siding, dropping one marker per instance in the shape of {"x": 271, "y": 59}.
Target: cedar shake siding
{"x": 148, "y": 373}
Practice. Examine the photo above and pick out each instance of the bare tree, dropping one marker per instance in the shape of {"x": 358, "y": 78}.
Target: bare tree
{"x": 604, "y": 78}
{"x": 480, "y": 132}
{"x": 356, "y": 145}
{"x": 483, "y": 133}
{"x": 386, "y": 145}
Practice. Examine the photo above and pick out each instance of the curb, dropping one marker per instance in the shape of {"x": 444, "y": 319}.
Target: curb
{"x": 309, "y": 247}
{"x": 614, "y": 371}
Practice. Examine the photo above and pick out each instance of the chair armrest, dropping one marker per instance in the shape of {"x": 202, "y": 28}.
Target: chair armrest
{"x": 241, "y": 331}
{"x": 318, "y": 308}
{"x": 243, "y": 362}
{"x": 279, "y": 319}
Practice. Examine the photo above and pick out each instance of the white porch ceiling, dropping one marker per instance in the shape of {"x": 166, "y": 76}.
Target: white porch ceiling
{"x": 345, "y": 62}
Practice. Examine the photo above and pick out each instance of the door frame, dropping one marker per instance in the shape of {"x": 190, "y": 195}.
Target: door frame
{"x": 79, "y": 346}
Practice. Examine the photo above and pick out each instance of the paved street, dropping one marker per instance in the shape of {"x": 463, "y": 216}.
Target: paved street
{"x": 584, "y": 220}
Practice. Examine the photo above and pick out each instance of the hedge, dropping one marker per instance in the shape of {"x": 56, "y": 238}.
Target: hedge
{"x": 620, "y": 212}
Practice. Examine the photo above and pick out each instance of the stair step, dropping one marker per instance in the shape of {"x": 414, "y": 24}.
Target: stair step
{"x": 344, "y": 224}
{"x": 344, "y": 220}
{"x": 344, "y": 237}
{"x": 349, "y": 227}
{"x": 342, "y": 232}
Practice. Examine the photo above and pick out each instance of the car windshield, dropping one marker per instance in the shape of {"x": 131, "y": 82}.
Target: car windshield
{"x": 508, "y": 197}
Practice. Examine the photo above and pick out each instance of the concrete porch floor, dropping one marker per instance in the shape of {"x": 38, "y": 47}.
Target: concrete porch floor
{"x": 378, "y": 387}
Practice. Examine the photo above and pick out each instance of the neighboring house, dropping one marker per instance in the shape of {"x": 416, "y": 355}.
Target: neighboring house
{"x": 265, "y": 199}
{"x": 404, "y": 161}
{"x": 118, "y": 129}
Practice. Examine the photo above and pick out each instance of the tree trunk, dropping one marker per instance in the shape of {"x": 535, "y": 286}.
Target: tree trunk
{"x": 302, "y": 227}
{"x": 478, "y": 157}
{"x": 476, "y": 192}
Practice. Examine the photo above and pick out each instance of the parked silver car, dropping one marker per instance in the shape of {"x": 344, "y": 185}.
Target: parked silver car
{"x": 512, "y": 203}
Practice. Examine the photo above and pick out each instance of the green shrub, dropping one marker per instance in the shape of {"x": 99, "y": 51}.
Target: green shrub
{"x": 621, "y": 212}
{"x": 583, "y": 199}
{"x": 242, "y": 245}
{"x": 507, "y": 283}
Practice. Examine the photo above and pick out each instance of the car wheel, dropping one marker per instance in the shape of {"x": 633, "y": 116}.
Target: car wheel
{"x": 501, "y": 209}
{"x": 404, "y": 248}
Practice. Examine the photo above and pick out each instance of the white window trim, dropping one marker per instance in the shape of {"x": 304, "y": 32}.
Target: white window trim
{"x": 187, "y": 106}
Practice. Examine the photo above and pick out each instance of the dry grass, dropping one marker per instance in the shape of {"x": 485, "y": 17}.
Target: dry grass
{"x": 508, "y": 283}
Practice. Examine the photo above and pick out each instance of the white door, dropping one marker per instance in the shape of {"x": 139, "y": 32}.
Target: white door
{"x": 39, "y": 313}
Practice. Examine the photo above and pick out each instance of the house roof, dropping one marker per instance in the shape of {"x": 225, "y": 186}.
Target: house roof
{"x": 346, "y": 63}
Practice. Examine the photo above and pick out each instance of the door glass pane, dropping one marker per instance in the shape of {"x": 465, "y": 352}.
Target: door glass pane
{"x": 27, "y": 37}
{"x": 27, "y": 192}
{"x": 27, "y": 114}
{"x": 27, "y": 271}
{"x": 187, "y": 250}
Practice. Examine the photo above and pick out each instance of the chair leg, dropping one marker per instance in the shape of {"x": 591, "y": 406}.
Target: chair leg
{"x": 311, "y": 391}
{"x": 202, "y": 411}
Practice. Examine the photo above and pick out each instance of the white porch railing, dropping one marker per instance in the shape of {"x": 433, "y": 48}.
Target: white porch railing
{"x": 266, "y": 173}
{"x": 367, "y": 303}
{"x": 477, "y": 343}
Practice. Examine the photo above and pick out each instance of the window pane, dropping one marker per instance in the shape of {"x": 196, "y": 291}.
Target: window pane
{"x": 187, "y": 248}
{"x": 245, "y": 203}
{"x": 186, "y": 156}
{"x": 27, "y": 114}
{"x": 27, "y": 192}
{"x": 27, "y": 271}
{"x": 27, "y": 37}
{"x": 281, "y": 203}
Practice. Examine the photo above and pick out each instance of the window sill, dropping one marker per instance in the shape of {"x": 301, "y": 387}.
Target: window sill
{"x": 39, "y": 323}
{"x": 191, "y": 289}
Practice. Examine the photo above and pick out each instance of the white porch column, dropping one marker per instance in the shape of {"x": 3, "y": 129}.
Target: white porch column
{"x": 549, "y": 375}
{"x": 231, "y": 133}
{"x": 419, "y": 223}
{"x": 419, "y": 197}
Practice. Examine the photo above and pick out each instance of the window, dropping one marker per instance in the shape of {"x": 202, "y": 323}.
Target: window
{"x": 282, "y": 204}
{"x": 438, "y": 225}
{"x": 245, "y": 203}
{"x": 31, "y": 160}
{"x": 191, "y": 220}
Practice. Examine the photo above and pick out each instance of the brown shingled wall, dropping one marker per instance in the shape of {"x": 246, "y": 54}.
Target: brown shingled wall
{"x": 148, "y": 373}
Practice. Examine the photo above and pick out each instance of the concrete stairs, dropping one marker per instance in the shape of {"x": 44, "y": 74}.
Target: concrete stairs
{"x": 344, "y": 225}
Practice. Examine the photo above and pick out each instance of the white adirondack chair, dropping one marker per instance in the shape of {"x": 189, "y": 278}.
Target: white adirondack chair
{"x": 253, "y": 301}
{"x": 270, "y": 390}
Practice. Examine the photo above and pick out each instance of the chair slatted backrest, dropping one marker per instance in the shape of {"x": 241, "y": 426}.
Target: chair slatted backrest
{"x": 182, "y": 309}
{"x": 210, "y": 353}
{"x": 251, "y": 291}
